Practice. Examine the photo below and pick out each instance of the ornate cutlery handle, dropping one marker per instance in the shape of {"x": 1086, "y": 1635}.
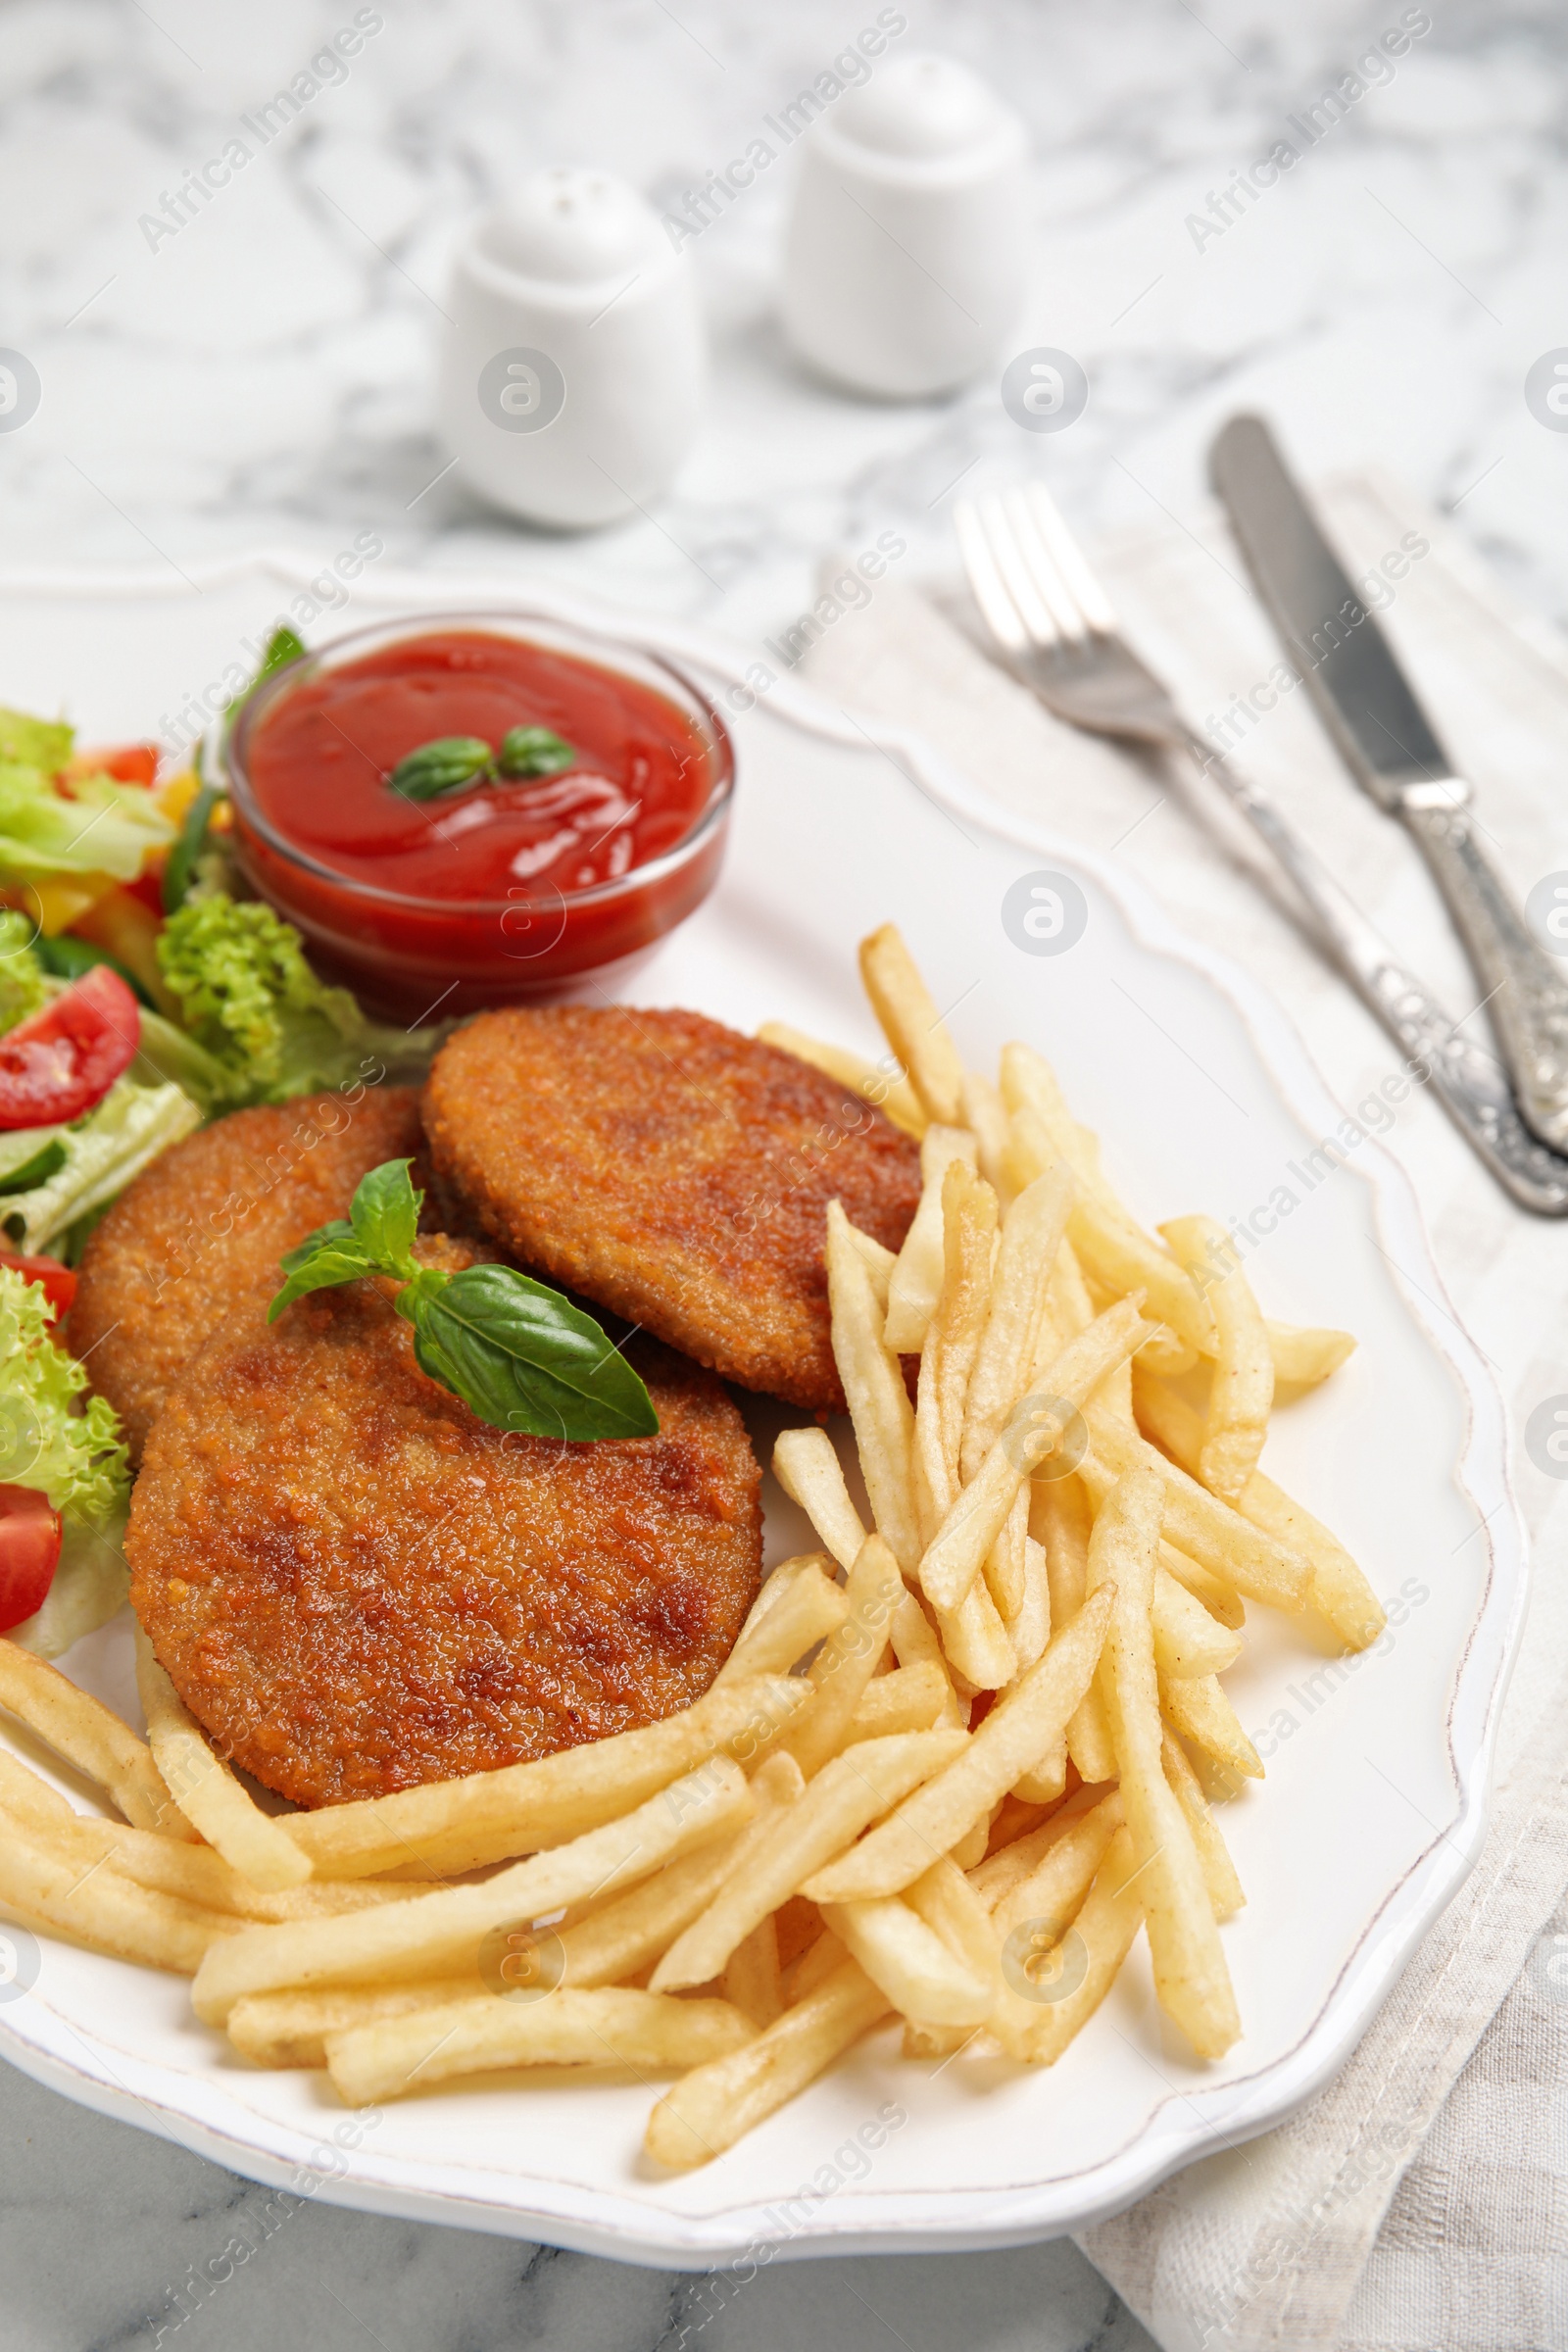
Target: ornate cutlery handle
{"x": 1468, "y": 1081}
{"x": 1527, "y": 997}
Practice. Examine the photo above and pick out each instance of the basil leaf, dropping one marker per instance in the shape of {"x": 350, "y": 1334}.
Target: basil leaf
{"x": 44, "y": 1164}
{"x": 385, "y": 1216}
{"x": 444, "y": 765}
{"x": 533, "y": 751}
{"x": 523, "y": 1358}
{"x": 282, "y": 646}
{"x": 330, "y": 1255}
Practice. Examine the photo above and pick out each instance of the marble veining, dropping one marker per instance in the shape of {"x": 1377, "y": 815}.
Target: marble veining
{"x": 256, "y": 367}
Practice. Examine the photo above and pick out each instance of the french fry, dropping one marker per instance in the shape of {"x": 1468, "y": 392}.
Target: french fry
{"x": 916, "y": 1644}
{"x": 433, "y": 1932}
{"x": 923, "y": 1979}
{"x": 91, "y": 1736}
{"x": 806, "y": 1465}
{"x": 985, "y": 1115}
{"x": 1199, "y": 1710}
{"x": 165, "y": 1865}
{"x": 944, "y": 1899}
{"x": 1031, "y": 1236}
{"x": 1046, "y": 1778}
{"x": 1004, "y": 1567}
{"x": 1053, "y": 1889}
{"x": 846, "y": 1794}
{"x": 913, "y": 1025}
{"x": 1225, "y": 1894}
{"x": 813, "y": 1967}
{"x": 1213, "y": 1592}
{"x": 1059, "y": 1512}
{"x": 1104, "y": 1927}
{"x": 751, "y": 1979}
{"x": 102, "y": 1910}
{"x": 1019, "y": 1729}
{"x": 490, "y": 1816}
{"x": 915, "y": 1283}
{"x": 291, "y": 2028}
{"x": 889, "y": 1093}
{"x": 206, "y": 1792}
{"x": 843, "y": 1666}
{"x": 878, "y": 1261}
{"x": 977, "y": 1645}
{"x": 953, "y": 1342}
{"x": 1303, "y": 1356}
{"x": 1029, "y": 1084}
{"x": 914, "y": 1698}
{"x": 717, "y": 2104}
{"x": 873, "y": 1384}
{"x": 1241, "y": 1393}
{"x": 609, "y": 2026}
{"x": 1191, "y": 1978}
{"x": 1210, "y": 1590}
{"x": 1199, "y": 1524}
{"x": 1337, "y": 1590}
{"x": 952, "y": 1559}
{"x": 1187, "y": 1638}
{"x": 808, "y": 1606}
{"x": 1030, "y": 1628}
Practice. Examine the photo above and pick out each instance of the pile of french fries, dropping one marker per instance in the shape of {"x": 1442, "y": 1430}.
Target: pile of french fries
{"x": 951, "y": 1787}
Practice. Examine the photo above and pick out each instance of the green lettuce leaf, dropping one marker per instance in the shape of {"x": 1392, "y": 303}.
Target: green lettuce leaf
{"x": 114, "y": 1143}
{"x": 75, "y": 1456}
{"x": 252, "y": 1003}
{"x": 44, "y": 743}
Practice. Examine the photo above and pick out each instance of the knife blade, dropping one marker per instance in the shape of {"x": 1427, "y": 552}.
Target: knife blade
{"x": 1395, "y": 753}
{"x": 1349, "y": 670}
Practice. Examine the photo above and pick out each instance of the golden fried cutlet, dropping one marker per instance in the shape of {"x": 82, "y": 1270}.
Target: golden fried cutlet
{"x": 672, "y": 1171}
{"x": 200, "y": 1233}
{"x": 357, "y": 1586}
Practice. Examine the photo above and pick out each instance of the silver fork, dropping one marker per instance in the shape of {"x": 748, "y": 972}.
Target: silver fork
{"x": 1055, "y": 627}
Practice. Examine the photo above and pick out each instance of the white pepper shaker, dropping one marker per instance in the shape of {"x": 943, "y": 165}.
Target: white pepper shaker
{"x": 575, "y": 366}
{"x": 906, "y": 249}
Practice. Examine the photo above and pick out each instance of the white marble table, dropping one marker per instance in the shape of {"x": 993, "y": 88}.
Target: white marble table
{"x": 264, "y": 375}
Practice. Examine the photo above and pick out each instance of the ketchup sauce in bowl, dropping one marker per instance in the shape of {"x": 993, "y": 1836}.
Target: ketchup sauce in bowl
{"x": 500, "y": 888}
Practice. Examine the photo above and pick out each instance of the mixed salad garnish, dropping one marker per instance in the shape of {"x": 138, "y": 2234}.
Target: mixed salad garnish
{"x": 141, "y": 992}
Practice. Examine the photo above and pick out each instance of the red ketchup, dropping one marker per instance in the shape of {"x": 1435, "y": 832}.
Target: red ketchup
{"x": 506, "y": 888}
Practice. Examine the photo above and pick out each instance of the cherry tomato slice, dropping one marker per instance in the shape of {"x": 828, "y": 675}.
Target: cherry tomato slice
{"x": 60, "y": 1061}
{"x": 57, "y": 1282}
{"x": 29, "y": 1553}
{"x": 127, "y": 763}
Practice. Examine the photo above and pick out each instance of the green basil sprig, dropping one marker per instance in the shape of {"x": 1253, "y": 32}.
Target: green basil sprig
{"x": 519, "y": 1355}
{"x": 453, "y": 762}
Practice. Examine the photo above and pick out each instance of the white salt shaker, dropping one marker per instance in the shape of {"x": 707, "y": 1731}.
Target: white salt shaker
{"x": 574, "y": 368}
{"x": 907, "y": 249}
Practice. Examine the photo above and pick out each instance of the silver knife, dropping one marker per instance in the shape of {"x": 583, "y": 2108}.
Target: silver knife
{"x": 1392, "y": 750}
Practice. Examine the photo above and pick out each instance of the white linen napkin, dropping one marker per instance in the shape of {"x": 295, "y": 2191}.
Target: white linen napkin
{"x": 1396, "y": 2211}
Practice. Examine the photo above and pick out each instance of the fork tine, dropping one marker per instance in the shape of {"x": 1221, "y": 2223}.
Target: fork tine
{"x": 1092, "y": 602}
{"x": 1032, "y": 608}
{"x": 1037, "y": 562}
{"x": 996, "y": 607}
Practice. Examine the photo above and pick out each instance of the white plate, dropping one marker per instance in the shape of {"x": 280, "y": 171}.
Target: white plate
{"x": 1373, "y": 1808}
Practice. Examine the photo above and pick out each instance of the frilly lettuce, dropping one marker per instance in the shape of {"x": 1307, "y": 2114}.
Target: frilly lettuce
{"x": 68, "y": 1446}
{"x": 76, "y": 1458}
{"x": 268, "y": 1028}
{"x": 23, "y": 986}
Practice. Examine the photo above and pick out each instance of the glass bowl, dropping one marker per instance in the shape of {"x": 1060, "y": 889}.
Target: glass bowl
{"x": 405, "y": 955}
